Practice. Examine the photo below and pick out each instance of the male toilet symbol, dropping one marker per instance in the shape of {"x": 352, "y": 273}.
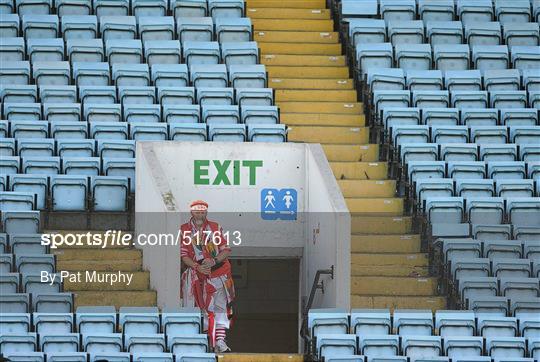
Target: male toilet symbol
{"x": 269, "y": 199}
{"x": 279, "y": 204}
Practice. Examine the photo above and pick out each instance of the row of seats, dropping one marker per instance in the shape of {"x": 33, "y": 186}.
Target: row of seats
{"x": 505, "y": 11}
{"x": 142, "y": 131}
{"x": 495, "y": 267}
{"x": 457, "y": 170}
{"x": 72, "y": 192}
{"x": 157, "y": 8}
{"x": 22, "y": 244}
{"x": 129, "y": 51}
{"x": 100, "y": 74}
{"x": 361, "y": 31}
{"x": 49, "y": 299}
{"x": 466, "y": 248}
{"x": 475, "y": 80}
{"x": 446, "y": 57}
{"x": 216, "y": 109}
{"x": 109, "y": 357}
{"x": 65, "y": 148}
{"x": 146, "y": 28}
{"x": 13, "y": 266}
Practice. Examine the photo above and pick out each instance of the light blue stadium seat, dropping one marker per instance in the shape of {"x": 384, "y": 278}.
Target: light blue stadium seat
{"x": 15, "y": 73}
{"x": 9, "y": 25}
{"x": 418, "y": 152}
{"x": 227, "y": 132}
{"x": 41, "y": 165}
{"x": 3, "y": 238}
{"x": 136, "y": 95}
{"x": 201, "y": 52}
{"x": 382, "y": 346}
{"x": 396, "y": 10}
{"x": 492, "y": 232}
{"x": 519, "y": 117}
{"x": 424, "y": 80}
{"x": 525, "y": 57}
{"x": 75, "y": 147}
{"x": 14, "y": 302}
{"x": 7, "y": 263}
{"x": 335, "y": 344}
{"x": 52, "y": 323}
{"x": 391, "y": 99}
{"x": 18, "y": 343}
{"x": 386, "y": 79}
{"x": 45, "y": 50}
{"x": 153, "y": 357}
{"x": 67, "y": 356}
{"x": 109, "y": 130}
{"x": 152, "y": 28}
{"x": 233, "y": 29}
{"x": 218, "y": 114}
{"x": 244, "y": 52}
{"x": 26, "y": 244}
{"x": 69, "y": 192}
{"x": 254, "y": 96}
{"x": 22, "y": 111}
{"x": 508, "y": 99}
{"x": 146, "y": 131}
{"x": 430, "y": 99}
{"x": 15, "y": 323}
{"x": 87, "y": 166}
{"x": 102, "y": 112}
{"x": 9, "y": 283}
{"x": 410, "y": 134}
{"x": 247, "y": 76}
{"x": 35, "y": 184}
{"x": 122, "y": 51}
{"x": 182, "y": 321}
{"x": 469, "y": 99}
{"x": 177, "y": 96}
{"x": 531, "y": 249}
{"x": 502, "y": 79}
{"x": 487, "y": 135}
{"x": 450, "y": 323}
{"x": 7, "y": 147}
{"x": 197, "y": 343}
{"x": 363, "y": 31}
{"x": 195, "y": 29}
{"x": 51, "y": 73}
{"x": 66, "y": 112}
{"x": 189, "y": 8}
{"x": 267, "y": 133}
{"x": 116, "y": 148}
{"x": 32, "y": 284}
{"x": 85, "y": 50}
{"x": 521, "y": 34}
{"x": 150, "y": 8}
{"x": 144, "y": 343}
{"x": 505, "y": 347}
{"x": 214, "y": 96}
{"x": 60, "y": 343}
{"x": 459, "y": 80}
{"x": 512, "y": 268}
{"x": 97, "y": 94}
{"x": 485, "y": 210}
{"x": 427, "y": 187}
{"x": 451, "y": 56}
{"x": 473, "y": 287}
{"x": 182, "y": 113}
{"x": 70, "y": 7}
{"x": 406, "y": 32}
{"x": 54, "y": 302}
{"x": 369, "y": 322}
{"x": 117, "y": 27}
{"x": 225, "y": 8}
{"x": 110, "y": 193}
{"x": 214, "y": 75}
{"x": 524, "y": 211}
{"x": 507, "y": 249}
{"x": 187, "y": 131}
{"x": 459, "y": 152}
{"x": 508, "y": 170}
{"x": 12, "y": 50}
{"x": 260, "y": 115}
{"x": 445, "y": 209}
{"x": 483, "y": 33}
{"x": 515, "y": 188}
{"x": 518, "y": 11}
{"x": 39, "y": 26}
{"x": 120, "y": 167}
{"x": 413, "y": 322}
{"x": 398, "y": 116}
{"x": 6, "y": 7}
{"x": 531, "y": 80}
{"x": 463, "y": 347}
{"x": 440, "y": 116}
{"x": 142, "y": 113}
{"x": 18, "y": 93}
{"x": 450, "y": 134}
{"x": 444, "y": 31}
{"x": 111, "y": 357}
{"x": 67, "y": 130}
{"x": 4, "y": 128}
{"x": 374, "y": 55}
{"x": 162, "y": 52}
{"x": 79, "y": 27}
{"x": 58, "y": 94}
{"x": 479, "y": 11}
{"x": 420, "y": 347}
{"x": 102, "y": 343}
{"x": 91, "y": 74}
{"x": 34, "y": 264}
{"x": 479, "y": 117}
{"x": 195, "y": 357}
{"x": 9, "y": 164}
{"x": 95, "y": 320}
{"x": 498, "y": 152}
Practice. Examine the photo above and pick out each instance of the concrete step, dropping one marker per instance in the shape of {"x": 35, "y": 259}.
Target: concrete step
{"x": 101, "y": 265}
{"x": 133, "y": 255}
{"x": 349, "y": 153}
{"x": 276, "y": 13}
{"x": 375, "y": 206}
{"x": 321, "y": 107}
{"x": 95, "y": 281}
{"x": 298, "y": 37}
{"x": 299, "y": 48}
{"x": 117, "y": 298}
{"x": 393, "y": 286}
{"x": 314, "y": 134}
{"x": 409, "y": 302}
{"x": 325, "y": 25}
{"x": 362, "y": 270}
{"x": 307, "y": 72}
{"x": 280, "y": 4}
{"x": 323, "y": 119}
{"x": 380, "y": 225}
{"x": 286, "y": 95}
{"x": 300, "y": 60}
{"x": 260, "y": 357}
{"x": 302, "y": 83}
{"x": 367, "y": 188}
{"x": 360, "y": 170}
{"x": 390, "y": 259}
{"x": 386, "y": 243}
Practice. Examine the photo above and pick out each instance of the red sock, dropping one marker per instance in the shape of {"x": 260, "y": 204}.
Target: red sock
{"x": 220, "y": 334}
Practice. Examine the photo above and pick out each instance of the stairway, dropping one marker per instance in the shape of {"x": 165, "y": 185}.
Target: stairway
{"x": 112, "y": 259}
{"x": 318, "y": 102}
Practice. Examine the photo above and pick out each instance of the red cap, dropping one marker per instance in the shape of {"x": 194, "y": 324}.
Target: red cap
{"x": 198, "y": 205}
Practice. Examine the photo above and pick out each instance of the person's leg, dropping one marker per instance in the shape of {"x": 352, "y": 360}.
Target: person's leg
{"x": 221, "y": 320}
